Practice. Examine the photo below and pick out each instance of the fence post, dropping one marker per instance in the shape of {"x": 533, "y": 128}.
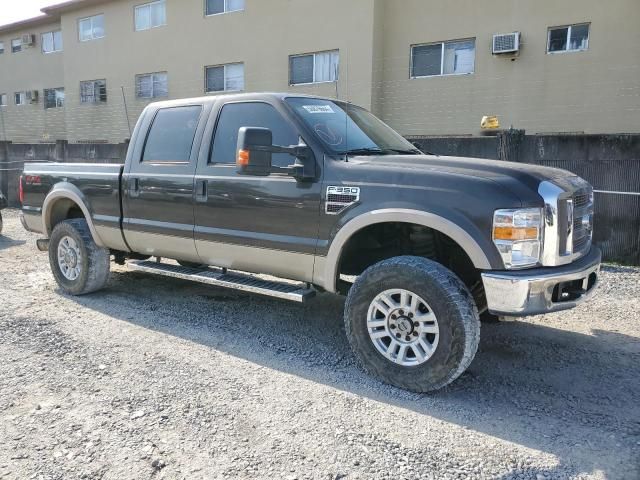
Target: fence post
{"x": 509, "y": 142}
{"x": 61, "y": 151}
{"x": 4, "y": 166}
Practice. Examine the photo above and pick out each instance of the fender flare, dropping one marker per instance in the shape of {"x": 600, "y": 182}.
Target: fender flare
{"x": 68, "y": 191}
{"x": 436, "y": 222}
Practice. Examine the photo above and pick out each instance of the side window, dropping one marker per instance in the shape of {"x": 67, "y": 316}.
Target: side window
{"x": 171, "y": 135}
{"x": 251, "y": 114}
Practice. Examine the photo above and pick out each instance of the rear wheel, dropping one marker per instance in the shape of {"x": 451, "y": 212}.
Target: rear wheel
{"x": 412, "y": 323}
{"x": 78, "y": 264}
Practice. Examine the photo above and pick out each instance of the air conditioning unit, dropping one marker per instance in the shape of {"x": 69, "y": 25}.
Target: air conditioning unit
{"x": 506, "y": 43}
{"x": 28, "y": 40}
{"x": 32, "y": 96}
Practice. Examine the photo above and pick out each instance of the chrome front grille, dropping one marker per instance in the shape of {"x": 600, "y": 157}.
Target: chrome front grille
{"x": 582, "y": 220}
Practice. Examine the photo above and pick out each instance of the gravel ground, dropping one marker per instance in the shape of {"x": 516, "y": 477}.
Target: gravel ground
{"x": 162, "y": 378}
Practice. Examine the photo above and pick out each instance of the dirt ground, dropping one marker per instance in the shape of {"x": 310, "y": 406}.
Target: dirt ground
{"x": 162, "y": 378}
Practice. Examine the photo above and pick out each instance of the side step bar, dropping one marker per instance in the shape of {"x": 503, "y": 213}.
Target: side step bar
{"x": 219, "y": 277}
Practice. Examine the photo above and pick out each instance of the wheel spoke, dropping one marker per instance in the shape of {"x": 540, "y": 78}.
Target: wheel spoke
{"x": 425, "y": 346}
{"x": 379, "y": 334}
{"x": 381, "y": 307}
{"x": 418, "y": 353}
{"x": 425, "y": 328}
{"x": 391, "y": 349}
{"x": 402, "y": 353}
{"x": 376, "y": 323}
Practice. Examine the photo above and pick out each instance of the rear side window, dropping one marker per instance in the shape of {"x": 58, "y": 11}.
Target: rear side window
{"x": 171, "y": 135}
{"x": 237, "y": 115}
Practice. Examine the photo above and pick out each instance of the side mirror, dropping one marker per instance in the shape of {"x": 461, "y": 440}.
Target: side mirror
{"x": 254, "y": 151}
{"x": 255, "y": 148}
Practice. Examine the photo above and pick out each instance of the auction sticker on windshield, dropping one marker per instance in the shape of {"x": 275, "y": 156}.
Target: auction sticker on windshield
{"x": 318, "y": 108}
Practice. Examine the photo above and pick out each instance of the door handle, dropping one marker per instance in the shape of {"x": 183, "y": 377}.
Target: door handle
{"x": 202, "y": 194}
{"x": 134, "y": 189}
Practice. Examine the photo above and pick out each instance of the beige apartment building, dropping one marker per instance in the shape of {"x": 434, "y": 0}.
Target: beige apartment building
{"x": 85, "y": 69}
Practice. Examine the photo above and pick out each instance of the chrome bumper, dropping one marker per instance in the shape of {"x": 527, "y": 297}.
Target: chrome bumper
{"x": 542, "y": 290}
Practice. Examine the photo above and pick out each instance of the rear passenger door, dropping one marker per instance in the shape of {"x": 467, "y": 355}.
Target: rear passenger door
{"x": 158, "y": 184}
{"x": 260, "y": 224}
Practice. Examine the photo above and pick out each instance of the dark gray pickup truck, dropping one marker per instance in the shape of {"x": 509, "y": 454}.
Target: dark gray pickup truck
{"x": 225, "y": 190}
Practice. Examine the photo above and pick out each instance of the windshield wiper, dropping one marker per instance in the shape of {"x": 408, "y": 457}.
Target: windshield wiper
{"x": 363, "y": 151}
{"x": 405, "y": 151}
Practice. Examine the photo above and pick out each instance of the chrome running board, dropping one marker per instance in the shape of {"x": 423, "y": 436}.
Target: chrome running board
{"x": 297, "y": 292}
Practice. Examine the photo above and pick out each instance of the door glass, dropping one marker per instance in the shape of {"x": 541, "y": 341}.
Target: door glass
{"x": 237, "y": 115}
{"x": 171, "y": 135}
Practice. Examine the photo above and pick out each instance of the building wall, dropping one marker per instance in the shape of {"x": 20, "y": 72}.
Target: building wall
{"x": 594, "y": 91}
{"x": 30, "y": 69}
{"x": 262, "y": 36}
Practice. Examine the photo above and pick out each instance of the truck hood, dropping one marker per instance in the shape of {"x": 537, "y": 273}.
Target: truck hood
{"x": 521, "y": 179}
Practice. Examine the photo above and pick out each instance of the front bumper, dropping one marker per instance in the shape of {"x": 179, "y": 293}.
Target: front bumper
{"x": 542, "y": 290}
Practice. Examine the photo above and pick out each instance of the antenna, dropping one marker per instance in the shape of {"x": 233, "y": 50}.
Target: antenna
{"x": 126, "y": 112}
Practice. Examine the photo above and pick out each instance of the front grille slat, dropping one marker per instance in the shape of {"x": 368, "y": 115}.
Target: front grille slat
{"x": 582, "y": 230}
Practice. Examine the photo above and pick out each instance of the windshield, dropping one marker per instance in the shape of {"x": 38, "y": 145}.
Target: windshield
{"x": 346, "y": 129}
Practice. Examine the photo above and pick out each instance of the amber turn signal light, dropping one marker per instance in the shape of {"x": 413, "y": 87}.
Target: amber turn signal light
{"x": 243, "y": 158}
{"x": 515, "y": 233}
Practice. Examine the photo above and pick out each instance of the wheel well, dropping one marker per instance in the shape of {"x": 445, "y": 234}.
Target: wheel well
{"x": 381, "y": 241}
{"x": 63, "y": 209}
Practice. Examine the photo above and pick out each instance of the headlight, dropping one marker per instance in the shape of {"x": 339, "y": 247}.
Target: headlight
{"x": 518, "y": 235}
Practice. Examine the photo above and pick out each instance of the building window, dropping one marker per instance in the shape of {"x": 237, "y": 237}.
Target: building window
{"x": 152, "y": 85}
{"x": 20, "y": 98}
{"x": 16, "y": 45}
{"x": 91, "y": 28}
{"x": 53, "y": 98}
{"x": 216, "y": 7}
{"x": 52, "y": 42}
{"x": 455, "y": 57}
{"x": 572, "y": 38}
{"x": 314, "y": 67}
{"x": 171, "y": 135}
{"x": 3, "y": 99}
{"x": 93, "y": 91}
{"x": 1, "y": 47}
{"x": 150, "y": 15}
{"x": 224, "y": 78}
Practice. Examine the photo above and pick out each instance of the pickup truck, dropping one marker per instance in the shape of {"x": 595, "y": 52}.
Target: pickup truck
{"x": 233, "y": 190}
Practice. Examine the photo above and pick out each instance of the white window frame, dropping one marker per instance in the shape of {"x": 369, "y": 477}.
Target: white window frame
{"x": 6, "y": 99}
{"x": 314, "y": 68}
{"x": 53, "y": 41}
{"x": 23, "y": 98}
{"x": 224, "y": 65}
{"x": 148, "y": 5}
{"x": 442, "y": 46}
{"x": 152, "y": 85}
{"x": 91, "y": 17}
{"x": 226, "y": 10}
{"x": 568, "y": 27}
{"x": 19, "y": 40}
{"x": 96, "y": 95}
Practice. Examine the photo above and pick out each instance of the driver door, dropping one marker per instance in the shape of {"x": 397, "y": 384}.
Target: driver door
{"x": 255, "y": 224}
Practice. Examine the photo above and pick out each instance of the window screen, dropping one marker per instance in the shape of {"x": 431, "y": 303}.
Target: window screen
{"x": 237, "y": 115}
{"x": 426, "y": 60}
{"x": 171, "y": 135}
{"x": 301, "y": 69}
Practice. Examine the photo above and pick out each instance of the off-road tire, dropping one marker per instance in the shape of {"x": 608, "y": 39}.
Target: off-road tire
{"x": 94, "y": 261}
{"x": 451, "y": 302}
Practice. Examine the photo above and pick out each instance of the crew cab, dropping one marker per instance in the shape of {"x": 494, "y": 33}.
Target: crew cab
{"x": 326, "y": 197}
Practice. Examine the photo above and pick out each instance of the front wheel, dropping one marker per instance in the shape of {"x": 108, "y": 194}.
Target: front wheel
{"x": 413, "y": 323}
{"x": 78, "y": 264}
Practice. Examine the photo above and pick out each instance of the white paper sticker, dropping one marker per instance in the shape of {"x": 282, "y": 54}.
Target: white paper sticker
{"x": 318, "y": 108}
